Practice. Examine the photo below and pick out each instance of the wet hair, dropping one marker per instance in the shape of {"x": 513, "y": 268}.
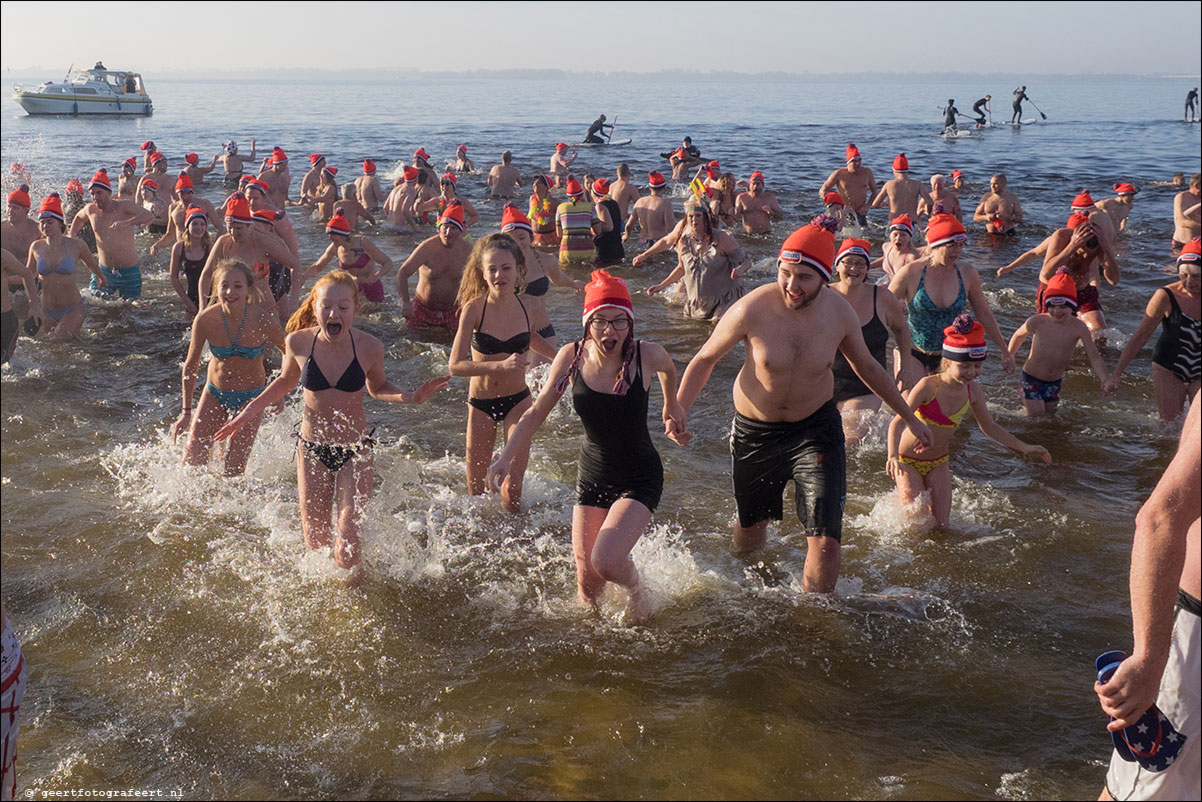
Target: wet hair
{"x": 473, "y": 285}
{"x": 1195, "y": 180}
{"x": 623, "y": 170}
{"x": 235, "y": 266}
{"x": 304, "y": 317}
{"x": 506, "y": 157}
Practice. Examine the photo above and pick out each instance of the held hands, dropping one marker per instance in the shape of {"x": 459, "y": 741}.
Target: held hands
{"x": 1112, "y": 383}
{"x": 423, "y": 393}
{"x": 1008, "y": 362}
{"x": 676, "y": 424}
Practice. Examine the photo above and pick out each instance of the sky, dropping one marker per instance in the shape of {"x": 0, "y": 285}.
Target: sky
{"x": 830, "y": 37}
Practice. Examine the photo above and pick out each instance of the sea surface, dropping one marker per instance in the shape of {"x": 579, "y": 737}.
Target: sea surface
{"x": 179, "y": 640}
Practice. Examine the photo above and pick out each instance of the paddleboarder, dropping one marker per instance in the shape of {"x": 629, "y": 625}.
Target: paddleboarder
{"x": 596, "y": 131}
{"x": 1020, "y": 95}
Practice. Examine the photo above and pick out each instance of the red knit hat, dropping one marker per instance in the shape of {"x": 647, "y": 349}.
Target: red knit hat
{"x": 157, "y": 157}
{"x": 147, "y": 145}
{"x": 184, "y": 182}
{"x": 369, "y": 167}
{"x": 1125, "y": 189}
{"x": 832, "y": 198}
{"x": 957, "y": 174}
{"x": 238, "y": 209}
{"x": 101, "y": 179}
{"x": 812, "y": 245}
{"x": 339, "y": 224}
{"x": 601, "y": 186}
{"x": 656, "y": 180}
{"x": 512, "y": 217}
{"x": 756, "y": 175}
{"x": 409, "y": 173}
{"x": 561, "y": 146}
{"x": 452, "y": 215}
{"x": 449, "y": 177}
{"x": 854, "y": 247}
{"x": 330, "y": 171}
{"x": 1191, "y": 253}
{"x": 461, "y": 149}
{"x": 902, "y": 223}
{"x": 75, "y": 186}
{"x": 192, "y": 158}
{"x": 1060, "y": 289}
{"x": 316, "y": 159}
{"x": 420, "y": 153}
{"x": 901, "y": 164}
{"x": 1083, "y": 202}
{"x": 130, "y": 164}
{"x": 20, "y": 197}
{"x": 852, "y": 153}
{"x": 278, "y": 156}
{"x": 606, "y": 292}
{"x": 269, "y": 216}
{"x": 964, "y": 340}
{"x": 1075, "y": 220}
{"x": 254, "y": 183}
{"x": 713, "y": 169}
{"x": 151, "y": 184}
{"x": 193, "y": 213}
{"x": 943, "y": 229}
{"x": 573, "y": 188}
{"x": 52, "y": 206}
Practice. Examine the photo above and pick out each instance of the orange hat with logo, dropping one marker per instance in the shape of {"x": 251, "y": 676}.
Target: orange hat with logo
{"x": 964, "y": 340}
{"x": 945, "y": 229}
{"x": 339, "y": 224}
{"x": 238, "y": 209}
{"x": 812, "y": 245}
{"x": 1060, "y": 289}
{"x": 52, "y": 206}
{"x": 512, "y": 217}
{"x": 452, "y": 215}
{"x": 20, "y": 197}
{"x": 184, "y": 183}
{"x": 854, "y": 247}
{"x": 101, "y": 179}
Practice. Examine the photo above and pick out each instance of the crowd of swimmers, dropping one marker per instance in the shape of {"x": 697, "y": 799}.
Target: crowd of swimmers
{"x": 816, "y": 338}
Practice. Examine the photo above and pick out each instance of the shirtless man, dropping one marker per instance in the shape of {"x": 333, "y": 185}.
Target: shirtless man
{"x": 503, "y": 178}
{"x": 1118, "y": 208}
{"x": 113, "y": 222}
{"x": 311, "y": 179}
{"x": 652, "y": 213}
{"x": 278, "y": 179}
{"x": 901, "y": 192}
{"x": 1079, "y": 247}
{"x": 999, "y": 210}
{"x": 367, "y": 187}
{"x": 622, "y": 191}
{"x": 129, "y": 180}
{"x": 400, "y": 208}
{"x": 234, "y": 163}
{"x": 19, "y": 231}
{"x": 1187, "y": 213}
{"x": 438, "y": 262}
{"x": 352, "y": 209}
{"x": 942, "y": 195}
{"x": 149, "y": 151}
{"x": 786, "y": 423}
{"x": 1083, "y": 204}
{"x": 195, "y": 171}
{"x": 281, "y": 226}
{"x": 856, "y": 185}
{"x": 157, "y": 206}
{"x": 756, "y": 207}
{"x": 1165, "y": 584}
{"x": 561, "y": 163}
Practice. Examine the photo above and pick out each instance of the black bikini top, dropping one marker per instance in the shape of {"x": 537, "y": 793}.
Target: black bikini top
{"x": 351, "y": 381}
{"x": 488, "y": 344}
{"x": 538, "y": 287}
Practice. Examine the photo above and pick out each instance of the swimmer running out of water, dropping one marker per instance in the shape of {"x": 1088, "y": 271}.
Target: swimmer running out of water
{"x": 941, "y": 401}
{"x": 619, "y": 476}
{"x": 333, "y": 454}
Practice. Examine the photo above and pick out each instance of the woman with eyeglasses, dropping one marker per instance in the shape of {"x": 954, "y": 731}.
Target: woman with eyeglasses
{"x": 619, "y": 476}
{"x": 440, "y": 203}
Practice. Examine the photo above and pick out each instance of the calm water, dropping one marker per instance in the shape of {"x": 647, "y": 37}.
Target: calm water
{"x": 178, "y": 639}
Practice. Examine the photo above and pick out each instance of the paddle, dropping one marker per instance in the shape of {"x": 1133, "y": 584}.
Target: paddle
{"x": 610, "y": 135}
{"x": 1041, "y": 114}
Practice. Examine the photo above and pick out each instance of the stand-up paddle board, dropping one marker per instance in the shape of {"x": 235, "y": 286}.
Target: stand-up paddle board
{"x": 614, "y": 144}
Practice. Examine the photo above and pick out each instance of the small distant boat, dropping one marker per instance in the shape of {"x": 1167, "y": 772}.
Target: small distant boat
{"x": 94, "y": 91}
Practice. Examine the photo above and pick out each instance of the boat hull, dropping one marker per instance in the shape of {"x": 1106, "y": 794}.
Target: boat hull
{"x": 34, "y": 103}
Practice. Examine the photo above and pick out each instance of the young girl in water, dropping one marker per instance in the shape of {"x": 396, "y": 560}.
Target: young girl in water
{"x": 333, "y": 455}
{"x": 188, "y": 257}
{"x": 619, "y": 476}
{"x": 236, "y": 374}
{"x": 357, "y": 255}
{"x": 496, "y": 325}
{"x": 941, "y": 401}
{"x": 541, "y": 270}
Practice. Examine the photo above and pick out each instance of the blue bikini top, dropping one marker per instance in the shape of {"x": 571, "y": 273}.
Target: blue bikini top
{"x": 65, "y": 267}
{"x": 234, "y": 349}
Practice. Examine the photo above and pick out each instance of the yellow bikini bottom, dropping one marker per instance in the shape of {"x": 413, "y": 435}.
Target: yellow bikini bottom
{"x": 923, "y": 466}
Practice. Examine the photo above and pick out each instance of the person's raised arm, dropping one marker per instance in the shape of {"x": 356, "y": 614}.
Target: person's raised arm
{"x": 1158, "y": 554}
{"x": 141, "y": 215}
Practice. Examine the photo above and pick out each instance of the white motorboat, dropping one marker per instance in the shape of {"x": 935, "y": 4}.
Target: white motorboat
{"x": 94, "y": 91}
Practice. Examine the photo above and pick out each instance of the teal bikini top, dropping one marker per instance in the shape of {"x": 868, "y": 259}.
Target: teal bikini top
{"x": 234, "y": 349}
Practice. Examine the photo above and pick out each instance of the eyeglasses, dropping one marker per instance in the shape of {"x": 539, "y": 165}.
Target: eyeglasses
{"x": 598, "y": 324}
